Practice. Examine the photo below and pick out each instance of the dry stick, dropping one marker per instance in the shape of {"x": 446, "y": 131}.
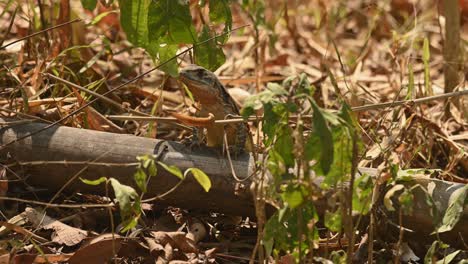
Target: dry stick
{"x": 452, "y": 50}
{"x": 253, "y": 118}
{"x": 66, "y": 163}
{"x": 79, "y": 206}
{"x": 114, "y": 103}
{"x": 40, "y": 32}
{"x": 98, "y": 95}
{"x": 415, "y": 101}
{"x": 116, "y": 88}
{"x": 10, "y": 26}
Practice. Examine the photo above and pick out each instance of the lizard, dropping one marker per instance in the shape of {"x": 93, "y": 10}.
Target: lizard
{"x": 215, "y": 102}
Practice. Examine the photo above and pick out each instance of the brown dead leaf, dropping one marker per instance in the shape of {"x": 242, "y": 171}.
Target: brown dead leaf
{"x": 155, "y": 249}
{"x": 99, "y": 122}
{"x": 98, "y": 250}
{"x": 175, "y": 239}
{"x": 95, "y": 120}
{"x": 280, "y": 60}
{"x": 21, "y": 230}
{"x": 63, "y": 234}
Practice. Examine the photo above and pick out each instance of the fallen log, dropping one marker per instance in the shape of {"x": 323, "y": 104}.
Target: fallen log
{"x": 49, "y": 159}
{"x": 60, "y": 152}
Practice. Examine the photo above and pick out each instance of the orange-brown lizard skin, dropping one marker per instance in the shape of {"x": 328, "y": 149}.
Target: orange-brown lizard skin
{"x": 213, "y": 98}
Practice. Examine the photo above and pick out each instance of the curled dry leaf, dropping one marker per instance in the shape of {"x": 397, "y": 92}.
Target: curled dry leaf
{"x": 176, "y": 240}
{"x": 63, "y": 234}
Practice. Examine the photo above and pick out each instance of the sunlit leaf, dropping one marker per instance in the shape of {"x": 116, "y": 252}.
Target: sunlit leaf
{"x": 448, "y": 259}
{"x": 293, "y": 196}
{"x": 124, "y": 195}
{"x": 333, "y": 220}
{"x": 201, "y": 178}
{"x": 388, "y": 196}
{"x": 134, "y": 20}
{"x": 454, "y": 211}
{"x": 94, "y": 182}
{"x": 220, "y": 13}
{"x": 172, "y": 169}
{"x": 165, "y": 53}
{"x": 170, "y": 22}
{"x": 140, "y": 179}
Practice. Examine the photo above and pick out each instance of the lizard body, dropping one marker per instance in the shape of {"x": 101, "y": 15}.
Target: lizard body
{"x": 214, "y": 99}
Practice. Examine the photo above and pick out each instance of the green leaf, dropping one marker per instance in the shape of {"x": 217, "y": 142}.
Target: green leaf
{"x": 201, "y": 178}
{"x": 427, "y": 77}
{"x": 165, "y": 53}
{"x": 94, "y": 182}
{"x": 134, "y": 20}
{"x": 170, "y": 22}
{"x": 426, "y": 52}
{"x": 284, "y": 146}
{"x": 313, "y": 148}
{"x": 326, "y": 138}
{"x": 89, "y": 4}
{"x": 271, "y": 121}
{"x": 220, "y": 13}
{"x": 293, "y": 196}
{"x": 129, "y": 224}
{"x": 140, "y": 179}
{"x": 276, "y": 165}
{"x": 454, "y": 211}
{"x": 304, "y": 86}
{"x": 284, "y": 233}
{"x": 431, "y": 251}
{"x": 333, "y": 220}
{"x": 152, "y": 169}
{"x": 388, "y": 196}
{"x": 209, "y": 54}
{"x": 409, "y": 94}
{"x": 406, "y": 201}
{"x": 362, "y": 194}
{"x": 172, "y": 169}
{"x": 276, "y": 90}
{"x": 124, "y": 195}
{"x": 448, "y": 259}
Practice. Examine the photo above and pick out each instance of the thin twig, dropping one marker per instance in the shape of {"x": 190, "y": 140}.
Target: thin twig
{"x": 238, "y": 119}
{"x": 80, "y": 206}
{"x": 98, "y": 95}
{"x": 114, "y": 89}
{"x": 10, "y": 26}
{"x": 409, "y": 102}
{"x": 39, "y": 32}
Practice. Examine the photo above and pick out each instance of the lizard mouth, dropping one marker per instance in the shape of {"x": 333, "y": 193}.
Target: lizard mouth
{"x": 201, "y": 90}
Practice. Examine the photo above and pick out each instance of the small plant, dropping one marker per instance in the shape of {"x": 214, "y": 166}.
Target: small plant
{"x": 160, "y": 27}
{"x": 130, "y": 200}
{"x": 306, "y": 144}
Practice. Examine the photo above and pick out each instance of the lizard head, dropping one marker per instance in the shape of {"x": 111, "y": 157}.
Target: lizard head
{"x": 203, "y": 84}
